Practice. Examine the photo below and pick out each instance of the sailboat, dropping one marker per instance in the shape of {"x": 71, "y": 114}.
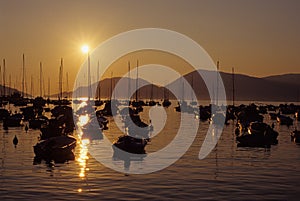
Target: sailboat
{"x": 151, "y": 102}
{"x": 166, "y": 102}
{"x": 218, "y": 118}
{"x": 192, "y": 85}
{"x": 108, "y": 110}
{"x": 61, "y": 100}
{"x": 182, "y": 104}
{"x": 48, "y": 99}
{"x": 17, "y": 98}
{"x": 138, "y": 104}
{"x": 40, "y": 101}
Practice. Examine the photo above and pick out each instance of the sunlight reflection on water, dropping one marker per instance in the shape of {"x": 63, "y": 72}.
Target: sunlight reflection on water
{"x": 83, "y": 156}
{"x": 228, "y": 173}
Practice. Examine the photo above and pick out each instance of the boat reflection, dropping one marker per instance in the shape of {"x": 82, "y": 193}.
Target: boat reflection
{"x": 127, "y": 158}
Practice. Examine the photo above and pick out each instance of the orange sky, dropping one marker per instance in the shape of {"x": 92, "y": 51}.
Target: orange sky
{"x": 256, "y": 37}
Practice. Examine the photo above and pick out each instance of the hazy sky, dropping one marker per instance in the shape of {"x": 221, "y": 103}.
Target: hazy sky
{"x": 257, "y": 37}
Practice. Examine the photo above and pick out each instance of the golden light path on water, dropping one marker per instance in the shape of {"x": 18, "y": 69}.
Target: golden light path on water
{"x": 82, "y": 144}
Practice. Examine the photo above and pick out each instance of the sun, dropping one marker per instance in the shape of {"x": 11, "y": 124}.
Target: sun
{"x": 85, "y": 49}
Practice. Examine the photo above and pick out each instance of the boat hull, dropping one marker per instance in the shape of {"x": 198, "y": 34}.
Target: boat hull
{"x": 59, "y": 149}
{"x": 129, "y": 144}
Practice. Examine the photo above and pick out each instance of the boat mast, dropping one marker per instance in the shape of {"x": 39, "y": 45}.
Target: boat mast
{"x": 67, "y": 85}
{"x": 182, "y": 79}
{"x": 151, "y": 94}
{"x": 9, "y": 85}
{"x": 1, "y": 81}
{"x": 233, "y": 87}
{"x": 217, "y": 95}
{"x": 98, "y": 80}
{"x": 136, "y": 82}
{"x": 31, "y": 86}
{"x": 48, "y": 88}
{"x": 60, "y": 79}
{"x": 23, "y": 76}
{"x": 4, "y": 88}
{"x": 192, "y": 83}
{"x": 41, "y": 81}
{"x": 165, "y": 92}
{"x": 129, "y": 82}
{"x": 89, "y": 77}
{"x": 111, "y": 84}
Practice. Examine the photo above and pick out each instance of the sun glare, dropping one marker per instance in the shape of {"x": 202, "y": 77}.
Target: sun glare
{"x": 83, "y": 119}
{"x": 85, "y": 49}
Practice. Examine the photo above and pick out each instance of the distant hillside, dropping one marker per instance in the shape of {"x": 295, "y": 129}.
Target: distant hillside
{"x": 7, "y": 91}
{"x": 273, "y": 88}
{"x": 286, "y": 78}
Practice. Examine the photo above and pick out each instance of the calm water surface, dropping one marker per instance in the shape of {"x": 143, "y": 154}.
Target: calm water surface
{"x": 228, "y": 173}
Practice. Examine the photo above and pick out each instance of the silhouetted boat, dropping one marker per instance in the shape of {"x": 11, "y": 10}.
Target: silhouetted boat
{"x": 98, "y": 102}
{"x": 37, "y": 122}
{"x": 17, "y": 100}
{"x": 285, "y": 120}
{"x": 136, "y": 127}
{"x": 61, "y": 102}
{"x": 151, "y": 103}
{"x": 204, "y": 112}
{"x": 109, "y": 107}
{"x": 28, "y": 112}
{"x": 258, "y": 135}
{"x": 166, "y": 103}
{"x": 102, "y": 122}
{"x": 219, "y": 119}
{"x": 287, "y": 109}
{"x": 295, "y": 136}
{"x": 59, "y": 149}
{"x": 184, "y": 107}
{"x": 247, "y": 114}
{"x": 130, "y": 144}
{"x": 92, "y": 130}
{"x": 273, "y": 115}
{"x": 13, "y": 120}
{"x": 3, "y": 113}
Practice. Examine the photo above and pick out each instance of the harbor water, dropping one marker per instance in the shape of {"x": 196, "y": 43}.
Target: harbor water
{"x": 227, "y": 173}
